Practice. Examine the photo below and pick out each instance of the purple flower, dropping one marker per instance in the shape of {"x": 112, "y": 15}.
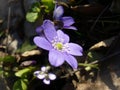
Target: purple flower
{"x": 62, "y": 22}
{"x": 43, "y": 74}
{"x": 39, "y": 30}
{"x": 57, "y": 43}
{"x": 58, "y": 12}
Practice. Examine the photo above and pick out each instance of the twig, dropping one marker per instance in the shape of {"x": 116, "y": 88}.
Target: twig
{"x": 95, "y": 62}
{"x": 71, "y": 73}
{"x": 8, "y": 27}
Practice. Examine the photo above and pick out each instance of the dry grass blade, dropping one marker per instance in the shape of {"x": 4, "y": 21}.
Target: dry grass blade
{"x": 31, "y": 53}
{"x": 104, "y": 43}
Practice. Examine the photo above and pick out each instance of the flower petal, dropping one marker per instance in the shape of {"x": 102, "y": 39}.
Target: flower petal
{"x": 68, "y": 21}
{"x": 49, "y": 30}
{"x": 43, "y": 68}
{"x": 64, "y": 36}
{"x": 41, "y": 76}
{"x": 52, "y": 76}
{"x": 71, "y": 61}
{"x": 74, "y": 49}
{"x": 39, "y": 29}
{"x": 38, "y": 75}
{"x": 46, "y": 81}
{"x": 56, "y": 58}
{"x": 70, "y": 27}
{"x": 58, "y": 12}
{"x": 42, "y": 43}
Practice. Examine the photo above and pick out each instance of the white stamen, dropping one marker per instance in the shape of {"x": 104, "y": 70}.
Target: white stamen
{"x": 58, "y": 44}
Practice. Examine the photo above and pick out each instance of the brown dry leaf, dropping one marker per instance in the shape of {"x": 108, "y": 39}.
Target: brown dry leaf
{"x": 28, "y": 63}
{"x": 2, "y": 54}
{"x": 104, "y": 43}
{"x": 1, "y": 21}
{"x": 2, "y": 47}
{"x": 31, "y": 53}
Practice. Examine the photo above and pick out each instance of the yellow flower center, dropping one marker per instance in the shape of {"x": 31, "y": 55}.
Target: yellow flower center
{"x": 59, "y": 46}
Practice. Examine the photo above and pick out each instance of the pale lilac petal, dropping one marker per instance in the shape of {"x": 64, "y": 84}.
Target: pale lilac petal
{"x": 39, "y": 75}
{"x": 64, "y": 36}
{"x": 56, "y": 58}
{"x": 43, "y": 68}
{"x": 71, "y": 61}
{"x": 42, "y": 43}
{"x": 74, "y": 49}
{"x": 49, "y": 30}
{"x": 52, "y": 76}
{"x": 70, "y": 27}
{"x": 58, "y": 12}
{"x": 68, "y": 21}
{"x": 46, "y": 81}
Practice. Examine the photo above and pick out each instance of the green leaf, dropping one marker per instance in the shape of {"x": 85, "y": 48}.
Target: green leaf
{"x": 20, "y": 84}
{"x": 31, "y": 16}
{"x": 1, "y": 71}
{"x": 48, "y": 4}
{"x": 24, "y": 72}
{"x": 7, "y": 58}
{"x": 1, "y": 33}
{"x": 36, "y": 9}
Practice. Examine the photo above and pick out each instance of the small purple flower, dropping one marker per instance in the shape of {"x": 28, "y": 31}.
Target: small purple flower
{"x": 58, "y": 12}
{"x": 43, "y": 74}
{"x": 57, "y": 43}
{"x": 62, "y": 22}
{"x": 40, "y": 29}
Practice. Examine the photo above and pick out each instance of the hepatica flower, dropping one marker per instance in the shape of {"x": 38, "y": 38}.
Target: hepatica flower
{"x": 57, "y": 43}
{"x": 59, "y": 21}
{"x": 62, "y": 22}
{"x": 43, "y": 74}
{"x": 39, "y": 30}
